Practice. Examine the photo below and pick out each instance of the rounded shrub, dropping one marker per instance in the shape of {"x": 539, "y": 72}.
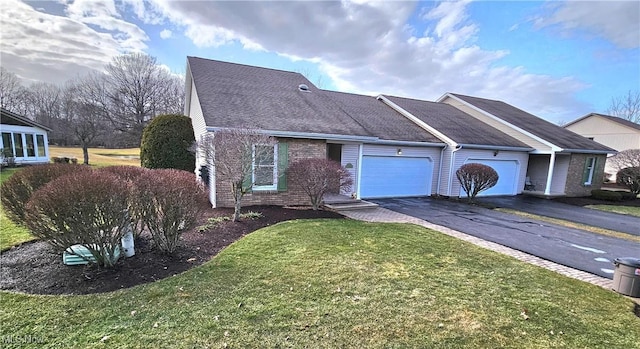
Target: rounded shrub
{"x": 17, "y": 190}
{"x": 130, "y": 174}
{"x": 475, "y": 178}
{"x": 630, "y": 178}
{"x": 170, "y": 201}
{"x": 167, "y": 142}
{"x": 87, "y": 208}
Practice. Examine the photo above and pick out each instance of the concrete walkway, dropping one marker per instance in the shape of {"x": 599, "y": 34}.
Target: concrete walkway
{"x": 380, "y": 214}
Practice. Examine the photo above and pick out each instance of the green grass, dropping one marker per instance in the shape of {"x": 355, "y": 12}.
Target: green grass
{"x": 337, "y": 284}
{"x": 633, "y": 211}
{"x": 10, "y": 233}
{"x": 100, "y": 157}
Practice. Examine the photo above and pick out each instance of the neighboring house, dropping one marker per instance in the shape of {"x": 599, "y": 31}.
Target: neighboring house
{"x": 23, "y": 141}
{"x": 614, "y": 132}
{"x": 393, "y": 147}
{"x": 562, "y": 162}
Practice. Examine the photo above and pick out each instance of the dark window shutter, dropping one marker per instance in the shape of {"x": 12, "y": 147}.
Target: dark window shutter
{"x": 283, "y": 162}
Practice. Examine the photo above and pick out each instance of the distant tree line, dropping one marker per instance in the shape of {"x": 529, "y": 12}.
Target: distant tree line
{"x": 109, "y": 108}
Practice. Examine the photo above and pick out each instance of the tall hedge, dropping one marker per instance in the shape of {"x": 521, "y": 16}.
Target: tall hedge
{"x": 166, "y": 143}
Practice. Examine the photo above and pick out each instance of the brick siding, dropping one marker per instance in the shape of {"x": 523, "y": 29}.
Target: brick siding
{"x": 298, "y": 149}
{"x": 574, "y": 185}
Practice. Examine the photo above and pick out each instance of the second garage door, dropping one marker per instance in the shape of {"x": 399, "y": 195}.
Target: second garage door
{"x": 507, "y": 173}
{"x": 384, "y": 176}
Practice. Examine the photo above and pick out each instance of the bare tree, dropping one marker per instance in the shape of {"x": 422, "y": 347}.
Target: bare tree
{"x": 626, "y": 107}
{"x": 137, "y": 89}
{"x": 89, "y": 111}
{"x": 232, "y": 154}
{"x": 625, "y": 158}
{"x": 12, "y": 93}
{"x": 45, "y": 102}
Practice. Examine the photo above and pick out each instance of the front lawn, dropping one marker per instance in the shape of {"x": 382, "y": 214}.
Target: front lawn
{"x": 630, "y": 210}
{"x": 336, "y": 284}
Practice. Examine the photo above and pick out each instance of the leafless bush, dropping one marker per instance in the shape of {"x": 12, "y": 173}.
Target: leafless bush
{"x": 476, "y": 178}
{"x": 87, "y": 208}
{"x": 131, "y": 174}
{"x": 171, "y": 201}
{"x": 17, "y": 190}
{"x": 317, "y": 177}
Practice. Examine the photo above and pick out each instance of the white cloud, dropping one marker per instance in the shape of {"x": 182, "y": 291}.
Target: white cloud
{"x": 616, "y": 21}
{"x": 44, "y": 47}
{"x": 370, "y": 48}
{"x": 166, "y": 34}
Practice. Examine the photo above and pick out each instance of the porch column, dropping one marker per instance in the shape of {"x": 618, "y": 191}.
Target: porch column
{"x": 552, "y": 163}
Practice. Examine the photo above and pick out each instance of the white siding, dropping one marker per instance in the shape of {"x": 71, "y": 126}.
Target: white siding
{"x": 421, "y": 152}
{"x": 463, "y": 155}
{"x": 199, "y": 129}
{"x": 349, "y": 159}
{"x": 560, "y": 171}
{"x": 607, "y": 132}
{"x": 445, "y": 174}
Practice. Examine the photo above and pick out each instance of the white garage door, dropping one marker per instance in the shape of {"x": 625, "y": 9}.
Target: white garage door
{"x": 384, "y": 176}
{"x": 508, "y": 177}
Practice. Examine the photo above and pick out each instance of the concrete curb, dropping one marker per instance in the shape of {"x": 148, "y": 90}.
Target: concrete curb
{"x": 380, "y": 214}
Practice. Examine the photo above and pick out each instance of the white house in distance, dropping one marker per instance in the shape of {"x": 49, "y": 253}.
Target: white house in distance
{"x": 23, "y": 140}
{"x": 614, "y": 132}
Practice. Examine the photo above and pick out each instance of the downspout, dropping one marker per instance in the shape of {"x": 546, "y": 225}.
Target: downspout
{"x": 440, "y": 169}
{"x": 552, "y": 163}
{"x": 359, "y": 171}
{"x": 453, "y": 156}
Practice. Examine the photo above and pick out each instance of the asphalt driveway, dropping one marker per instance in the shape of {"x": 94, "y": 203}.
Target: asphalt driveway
{"x": 574, "y": 248}
{"x": 542, "y": 207}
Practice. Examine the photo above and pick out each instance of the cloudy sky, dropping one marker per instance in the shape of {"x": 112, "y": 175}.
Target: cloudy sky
{"x": 558, "y": 60}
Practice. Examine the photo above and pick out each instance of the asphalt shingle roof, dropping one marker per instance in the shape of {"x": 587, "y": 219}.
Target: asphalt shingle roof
{"x": 379, "y": 119}
{"x": 456, "y": 124}
{"x": 241, "y": 96}
{"x": 552, "y": 133}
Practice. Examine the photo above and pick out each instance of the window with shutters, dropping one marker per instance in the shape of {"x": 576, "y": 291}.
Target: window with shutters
{"x": 265, "y": 169}
{"x": 589, "y": 170}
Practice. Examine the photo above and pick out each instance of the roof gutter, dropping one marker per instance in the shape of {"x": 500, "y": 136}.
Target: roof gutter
{"x": 410, "y": 143}
{"x": 496, "y": 147}
{"x": 305, "y": 135}
{"x": 587, "y": 151}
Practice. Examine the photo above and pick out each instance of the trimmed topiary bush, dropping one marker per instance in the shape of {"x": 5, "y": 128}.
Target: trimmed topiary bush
{"x": 607, "y": 195}
{"x": 87, "y": 208}
{"x": 171, "y": 201}
{"x": 630, "y": 178}
{"x": 167, "y": 143}
{"x": 475, "y": 178}
{"x": 17, "y": 190}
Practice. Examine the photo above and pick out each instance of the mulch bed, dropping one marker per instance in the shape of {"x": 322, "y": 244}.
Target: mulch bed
{"x": 34, "y": 267}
